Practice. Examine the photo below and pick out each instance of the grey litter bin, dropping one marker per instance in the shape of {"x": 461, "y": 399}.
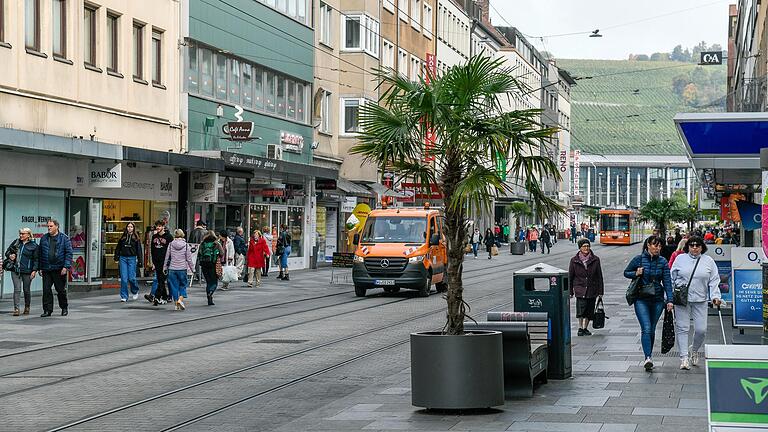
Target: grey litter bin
{"x": 544, "y": 288}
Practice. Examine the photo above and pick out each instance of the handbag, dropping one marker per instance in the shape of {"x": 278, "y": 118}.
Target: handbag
{"x": 680, "y": 292}
{"x": 634, "y": 286}
{"x": 219, "y": 269}
{"x": 668, "y": 332}
{"x": 9, "y": 264}
{"x": 599, "y": 318}
{"x": 494, "y": 250}
{"x": 468, "y": 249}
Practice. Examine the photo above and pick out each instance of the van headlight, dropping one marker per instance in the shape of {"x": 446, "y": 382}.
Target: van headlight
{"x": 358, "y": 259}
{"x": 416, "y": 259}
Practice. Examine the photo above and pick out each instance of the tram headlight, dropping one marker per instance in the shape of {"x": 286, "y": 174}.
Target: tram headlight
{"x": 358, "y": 259}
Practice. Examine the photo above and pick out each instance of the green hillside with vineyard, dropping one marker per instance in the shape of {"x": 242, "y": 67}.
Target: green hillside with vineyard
{"x": 626, "y": 107}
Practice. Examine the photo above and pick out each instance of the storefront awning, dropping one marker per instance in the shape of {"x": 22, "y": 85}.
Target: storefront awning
{"x": 352, "y": 188}
{"x": 385, "y": 191}
{"x": 726, "y": 141}
{"x": 183, "y": 161}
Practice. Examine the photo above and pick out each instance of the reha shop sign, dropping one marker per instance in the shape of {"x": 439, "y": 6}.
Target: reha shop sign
{"x": 105, "y": 175}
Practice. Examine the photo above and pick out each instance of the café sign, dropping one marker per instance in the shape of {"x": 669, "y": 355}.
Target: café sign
{"x": 291, "y": 142}
{"x": 238, "y": 130}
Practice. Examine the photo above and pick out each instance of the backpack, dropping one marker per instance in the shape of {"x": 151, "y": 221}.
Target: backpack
{"x": 208, "y": 253}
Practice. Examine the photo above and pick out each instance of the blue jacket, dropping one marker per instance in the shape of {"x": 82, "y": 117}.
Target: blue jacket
{"x": 26, "y": 256}
{"x": 63, "y": 253}
{"x": 655, "y": 271}
{"x": 240, "y": 246}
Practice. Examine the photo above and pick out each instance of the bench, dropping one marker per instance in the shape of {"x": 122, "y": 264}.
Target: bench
{"x": 520, "y": 371}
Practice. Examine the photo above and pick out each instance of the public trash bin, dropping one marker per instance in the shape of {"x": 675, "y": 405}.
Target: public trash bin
{"x": 544, "y": 288}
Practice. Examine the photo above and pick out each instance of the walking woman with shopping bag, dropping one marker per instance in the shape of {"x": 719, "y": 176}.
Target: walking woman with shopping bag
{"x": 695, "y": 277}
{"x": 586, "y": 283}
{"x": 654, "y": 290}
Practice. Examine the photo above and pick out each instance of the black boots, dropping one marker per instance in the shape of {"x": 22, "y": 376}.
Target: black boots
{"x": 210, "y": 301}
{"x": 286, "y": 277}
{"x": 280, "y": 276}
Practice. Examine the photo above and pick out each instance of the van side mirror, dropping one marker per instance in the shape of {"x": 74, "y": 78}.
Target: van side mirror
{"x": 356, "y": 239}
{"x": 434, "y": 240}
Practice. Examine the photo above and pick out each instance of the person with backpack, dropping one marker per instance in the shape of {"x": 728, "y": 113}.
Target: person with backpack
{"x": 22, "y": 256}
{"x": 284, "y": 251}
{"x": 209, "y": 253}
{"x": 128, "y": 254}
{"x": 177, "y": 261}
{"x": 257, "y": 251}
{"x": 158, "y": 247}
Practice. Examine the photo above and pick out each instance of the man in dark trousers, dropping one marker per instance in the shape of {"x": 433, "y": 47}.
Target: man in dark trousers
{"x": 55, "y": 262}
{"x": 158, "y": 247}
{"x": 545, "y": 239}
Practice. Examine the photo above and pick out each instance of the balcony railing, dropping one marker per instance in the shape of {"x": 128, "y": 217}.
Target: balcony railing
{"x": 751, "y": 96}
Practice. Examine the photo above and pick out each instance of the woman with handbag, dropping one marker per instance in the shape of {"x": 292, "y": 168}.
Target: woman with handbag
{"x": 490, "y": 241}
{"x": 209, "y": 253}
{"x": 694, "y": 275}
{"x": 21, "y": 259}
{"x": 586, "y": 284}
{"x": 178, "y": 262}
{"x": 652, "y": 270}
{"x": 128, "y": 254}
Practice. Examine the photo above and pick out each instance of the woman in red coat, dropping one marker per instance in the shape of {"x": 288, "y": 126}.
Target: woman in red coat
{"x": 254, "y": 258}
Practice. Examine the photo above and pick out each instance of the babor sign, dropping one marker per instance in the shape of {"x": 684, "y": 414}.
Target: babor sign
{"x": 105, "y": 175}
{"x": 711, "y": 58}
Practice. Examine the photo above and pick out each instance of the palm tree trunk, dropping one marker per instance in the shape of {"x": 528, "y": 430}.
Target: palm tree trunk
{"x": 456, "y": 233}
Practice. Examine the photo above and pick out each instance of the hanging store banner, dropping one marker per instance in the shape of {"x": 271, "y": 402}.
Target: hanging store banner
{"x": 750, "y": 215}
{"x": 105, "y": 175}
{"x": 204, "y": 187}
{"x": 576, "y": 172}
{"x": 430, "y": 139}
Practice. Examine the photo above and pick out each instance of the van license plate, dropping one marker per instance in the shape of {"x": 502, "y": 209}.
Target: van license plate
{"x": 384, "y": 282}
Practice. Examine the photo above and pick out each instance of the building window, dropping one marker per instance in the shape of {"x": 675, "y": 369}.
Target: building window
{"x": 234, "y": 81}
{"x": 221, "y": 77}
{"x": 32, "y": 24}
{"x": 427, "y": 21}
{"x": 402, "y": 9}
{"x": 325, "y": 24}
{"x": 387, "y": 54}
{"x": 157, "y": 57}
{"x": 301, "y": 102}
{"x": 112, "y": 42}
{"x": 326, "y": 115}
{"x": 296, "y": 9}
{"x": 269, "y": 91}
{"x": 245, "y": 86}
{"x": 258, "y": 88}
{"x": 60, "y": 28}
{"x": 389, "y": 5}
{"x": 206, "y": 72}
{"x": 193, "y": 70}
{"x": 291, "y": 108}
{"x": 138, "y": 51}
{"x": 2, "y": 20}
{"x": 402, "y": 62}
{"x": 350, "y": 118}
{"x": 89, "y": 36}
{"x": 361, "y": 33}
{"x": 416, "y": 14}
{"x": 415, "y": 69}
{"x": 281, "y": 99}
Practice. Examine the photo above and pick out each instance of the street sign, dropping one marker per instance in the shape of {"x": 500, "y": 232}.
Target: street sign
{"x": 711, "y": 58}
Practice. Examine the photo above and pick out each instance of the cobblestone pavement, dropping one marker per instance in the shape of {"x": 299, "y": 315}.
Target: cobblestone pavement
{"x": 255, "y": 344}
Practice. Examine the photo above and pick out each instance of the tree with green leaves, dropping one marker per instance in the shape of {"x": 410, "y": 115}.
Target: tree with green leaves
{"x": 519, "y": 209}
{"x": 661, "y": 212}
{"x": 464, "y": 109}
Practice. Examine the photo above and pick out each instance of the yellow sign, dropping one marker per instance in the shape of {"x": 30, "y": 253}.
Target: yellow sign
{"x": 361, "y": 211}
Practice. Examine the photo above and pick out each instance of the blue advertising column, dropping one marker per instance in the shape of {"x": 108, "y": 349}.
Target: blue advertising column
{"x": 747, "y": 286}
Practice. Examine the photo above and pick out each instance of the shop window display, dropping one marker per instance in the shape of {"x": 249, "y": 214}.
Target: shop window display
{"x": 295, "y": 227}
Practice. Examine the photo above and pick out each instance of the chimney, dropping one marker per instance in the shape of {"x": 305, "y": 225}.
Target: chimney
{"x": 484, "y": 6}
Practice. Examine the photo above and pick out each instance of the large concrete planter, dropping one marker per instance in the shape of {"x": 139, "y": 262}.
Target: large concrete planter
{"x": 457, "y": 372}
{"x": 517, "y": 248}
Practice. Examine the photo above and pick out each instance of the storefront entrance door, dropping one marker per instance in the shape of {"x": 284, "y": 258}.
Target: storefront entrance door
{"x": 279, "y": 217}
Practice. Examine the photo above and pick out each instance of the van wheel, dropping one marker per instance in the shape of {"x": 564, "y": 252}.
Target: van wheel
{"x": 359, "y": 291}
{"x": 391, "y": 290}
{"x": 442, "y": 286}
{"x": 427, "y": 287}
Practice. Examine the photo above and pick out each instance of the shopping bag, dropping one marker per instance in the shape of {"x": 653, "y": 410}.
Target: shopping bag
{"x": 494, "y": 250}
{"x": 468, "y": 249}
{"x": 668, "y": 332}
{"x": 229, "y": 274}
{"x": 599, "y": 319}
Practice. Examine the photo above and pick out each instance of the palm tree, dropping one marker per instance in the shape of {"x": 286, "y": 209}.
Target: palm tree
{"x": 474, "y": 136}
{"x": 519, "y": 209}
{"x": 661, "y": 212}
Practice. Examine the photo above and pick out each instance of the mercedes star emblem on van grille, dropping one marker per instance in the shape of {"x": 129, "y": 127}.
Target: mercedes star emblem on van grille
{"x": 384, "y": 263}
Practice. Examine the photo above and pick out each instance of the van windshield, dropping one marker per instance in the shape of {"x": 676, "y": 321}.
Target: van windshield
{"x": 395, "y": 229}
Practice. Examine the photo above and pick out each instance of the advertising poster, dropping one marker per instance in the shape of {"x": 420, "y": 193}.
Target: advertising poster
{"x": 747, "y": 286}
{"x": 331, "y": 233}
{"x": 722, "y": 256}
{"x": 738, "y": 399}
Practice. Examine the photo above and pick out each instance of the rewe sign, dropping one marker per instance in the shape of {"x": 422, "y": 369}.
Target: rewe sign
{"x": 105, "y": 175}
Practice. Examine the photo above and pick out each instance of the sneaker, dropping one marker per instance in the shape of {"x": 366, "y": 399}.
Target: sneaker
{"x": 180, "y": 305}
{"x": 123, "y": 299}
{"x": 162, "y": 301}
{"x": 695, "y": 358}
{"x": 580, "y": 332}
{"x": 587, "y": 332}
{"x": 155, "y": 302}
{"x": 648, "y": 365}
{"x": 177, "y": 307}
{"x": 136, "y": 296}
{"x": 150, "y": 299}
{"x": 684, "y": 365}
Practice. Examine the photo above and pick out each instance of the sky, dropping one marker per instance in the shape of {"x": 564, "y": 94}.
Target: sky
{"x": 687, "y": 22}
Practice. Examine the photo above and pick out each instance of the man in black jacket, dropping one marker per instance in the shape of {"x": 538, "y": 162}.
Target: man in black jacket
{"x": 159, "y": 245}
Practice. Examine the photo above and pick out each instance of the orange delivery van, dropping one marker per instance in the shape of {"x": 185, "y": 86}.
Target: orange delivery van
{"x": 401, "y": 248}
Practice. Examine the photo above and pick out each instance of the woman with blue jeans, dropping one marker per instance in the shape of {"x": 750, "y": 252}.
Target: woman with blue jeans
{"x": 129, "y": 255}
{"x": 284, "y": 249}
{"x": 654, "y": 271}
{"x": 178, "y": 262}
